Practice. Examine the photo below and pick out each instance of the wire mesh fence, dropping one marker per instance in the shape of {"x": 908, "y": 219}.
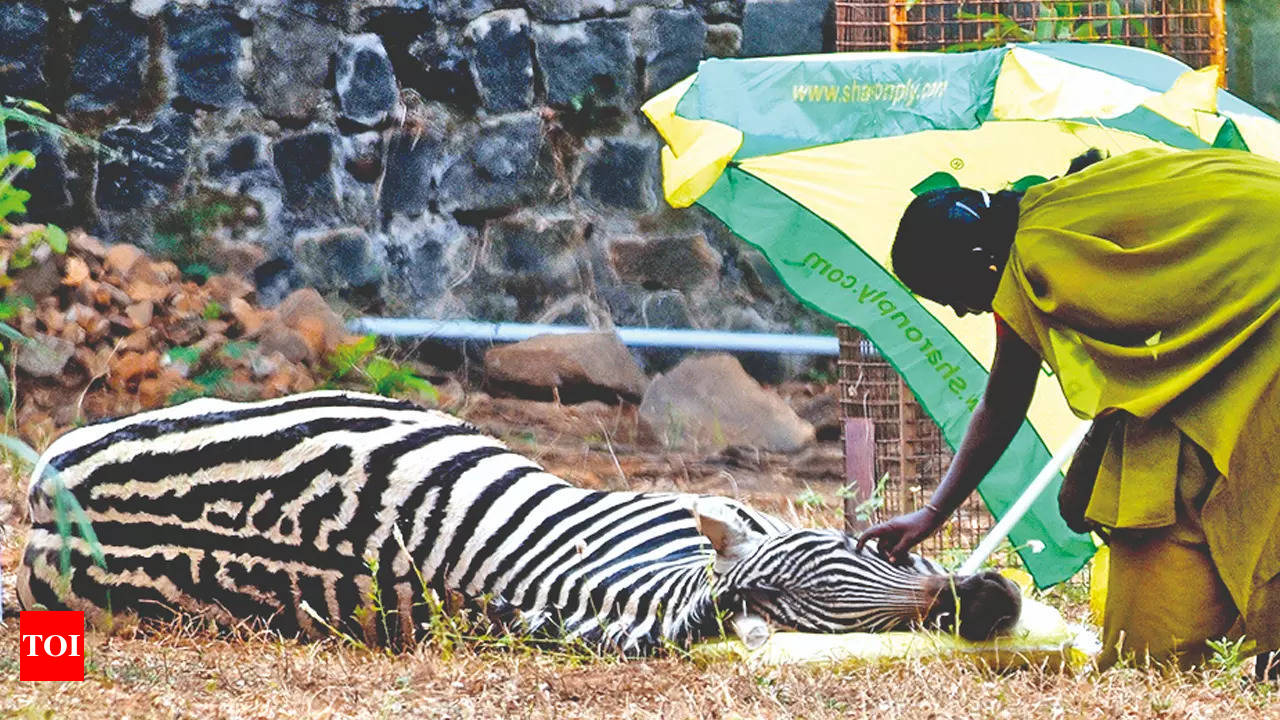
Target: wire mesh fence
{"x": 1193, "y": 31}
{"x": 910, "y": 454}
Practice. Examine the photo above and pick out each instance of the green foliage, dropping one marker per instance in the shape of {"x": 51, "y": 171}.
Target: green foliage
{"x": 209, "y": 378}
{"x": 213, "y": 381}
{"x": 377, "y": 373}
{"x": 1228, "y": 658}
{"x": 349, "y": 356}
{"x": 1058, "y": 21}
{"x": 13, "y": 200}
{"x": 68, "y": 516}
{"x": 237, "y": 349}
{"x": 809, "y": 499}
{"x": 212, "y": 311}
{"x": 188, "y": 356}
{"x": 186, "y": 233}
{"x": 866, "y": 509}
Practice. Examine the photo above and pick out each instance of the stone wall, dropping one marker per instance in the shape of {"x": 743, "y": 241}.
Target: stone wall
{"x": 480, "y": 159}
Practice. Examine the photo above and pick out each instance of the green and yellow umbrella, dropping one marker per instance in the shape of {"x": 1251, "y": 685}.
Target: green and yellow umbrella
{"x": 812, "y": 159}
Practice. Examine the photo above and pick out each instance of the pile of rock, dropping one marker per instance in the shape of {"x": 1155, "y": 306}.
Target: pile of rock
{"x": 705, "y": 403}
{"x": 112, "y": 331}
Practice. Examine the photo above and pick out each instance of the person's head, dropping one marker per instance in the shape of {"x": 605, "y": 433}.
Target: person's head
{"x": 952, "y": 244}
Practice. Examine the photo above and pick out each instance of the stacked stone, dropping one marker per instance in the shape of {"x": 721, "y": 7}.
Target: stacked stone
{"x": 112, "y": 331}
{"x": 444, "y": 158}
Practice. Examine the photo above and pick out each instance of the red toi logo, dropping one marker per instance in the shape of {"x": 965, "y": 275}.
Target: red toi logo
{"x": 51, "y": 645}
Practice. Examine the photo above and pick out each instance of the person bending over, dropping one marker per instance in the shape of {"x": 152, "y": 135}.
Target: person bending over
{"x": 1150, "y": 284}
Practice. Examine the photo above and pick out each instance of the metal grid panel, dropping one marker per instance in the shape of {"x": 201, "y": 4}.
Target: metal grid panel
{"x": 1193, "y": 31}
{"x": 909, "y": 446}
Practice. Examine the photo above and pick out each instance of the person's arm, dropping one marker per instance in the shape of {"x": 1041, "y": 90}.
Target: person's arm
{"x": 994, "y": 423}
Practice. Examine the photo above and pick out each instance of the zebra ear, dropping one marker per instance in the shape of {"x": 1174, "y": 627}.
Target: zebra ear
{"x": 732, "y": 538}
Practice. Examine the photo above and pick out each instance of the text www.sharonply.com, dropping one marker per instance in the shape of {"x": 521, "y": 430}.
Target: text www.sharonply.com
{"x": 906, "y": 93}
{"x": 875, "y": 297}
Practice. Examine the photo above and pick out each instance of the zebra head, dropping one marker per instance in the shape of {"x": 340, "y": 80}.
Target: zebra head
{"x": 815, "y": 580}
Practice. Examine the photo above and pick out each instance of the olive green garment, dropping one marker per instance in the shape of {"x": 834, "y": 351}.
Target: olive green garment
{"x": 1150, "y": 283}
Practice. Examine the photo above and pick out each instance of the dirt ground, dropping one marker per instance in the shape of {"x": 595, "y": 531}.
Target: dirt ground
{"x": 192, "y": 672}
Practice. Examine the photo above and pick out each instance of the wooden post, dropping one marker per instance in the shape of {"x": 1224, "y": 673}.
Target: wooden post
{"x": 1218, "y": 38}
{"x": 859, "y": 468}
{"x": 897, "y": 24}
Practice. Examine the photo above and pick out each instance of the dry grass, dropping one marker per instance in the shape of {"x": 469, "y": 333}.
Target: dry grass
{"x": 181, "y": 672}
{"x": 188, "y": 671}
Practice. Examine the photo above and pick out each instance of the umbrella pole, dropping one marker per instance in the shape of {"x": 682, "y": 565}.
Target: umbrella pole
{"x": 1023, "y": 503}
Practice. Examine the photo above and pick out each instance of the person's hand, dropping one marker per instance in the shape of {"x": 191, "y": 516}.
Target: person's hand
{"x": 894, "y": 538}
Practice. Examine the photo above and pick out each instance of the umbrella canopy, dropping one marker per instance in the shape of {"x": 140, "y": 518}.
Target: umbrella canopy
{"x": 812, "y": 159}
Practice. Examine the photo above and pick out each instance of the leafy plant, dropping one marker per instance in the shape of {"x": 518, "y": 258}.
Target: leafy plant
{"x": 866, "y": 509}
{"x": 13, "y": 200}
{"x": 209, "y": 379}
{"x": 68, "y": 516}
{"x": 378, "y": 373}
{"x": 186, "y": 233}
{"x": 1058, "y": 21}
{"x": 1227, "y": 660}
{"x": 809, "y": 499}
{"x": 237, "y": 349}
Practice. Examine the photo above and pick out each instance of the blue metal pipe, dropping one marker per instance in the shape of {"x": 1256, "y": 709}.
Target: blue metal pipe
{"x": 631, "y": 336}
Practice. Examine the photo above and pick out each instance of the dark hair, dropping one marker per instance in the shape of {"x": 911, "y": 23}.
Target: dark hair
{"x": 939, "y": 230}
{"x": 1085, "y": 159}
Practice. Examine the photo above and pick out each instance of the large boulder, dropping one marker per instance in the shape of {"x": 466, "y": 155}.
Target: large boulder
{"x": 206, "y": 56}
{"x": 306, "y": 313}
{"x": 25, "y": 29}
{"x": 574, "y": 367}
{"x": 501, "y": 64}
{"x": 709, "y": 402}
{"x": 109, "y": 59}
{"x": 364, "y": 81}
{"x": 586, "y": 63}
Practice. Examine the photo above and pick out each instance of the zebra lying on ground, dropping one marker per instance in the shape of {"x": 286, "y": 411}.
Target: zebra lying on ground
{"x": 294, "y": 511}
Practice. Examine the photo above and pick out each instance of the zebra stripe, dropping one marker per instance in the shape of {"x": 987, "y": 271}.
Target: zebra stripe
{"x": 324, "y": 500}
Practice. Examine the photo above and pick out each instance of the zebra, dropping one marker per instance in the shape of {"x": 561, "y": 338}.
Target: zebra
{"x": 309, "y": 511}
